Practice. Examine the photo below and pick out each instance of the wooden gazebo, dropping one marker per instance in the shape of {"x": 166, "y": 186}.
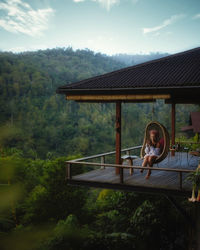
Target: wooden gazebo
{"x": 176, "y": 79}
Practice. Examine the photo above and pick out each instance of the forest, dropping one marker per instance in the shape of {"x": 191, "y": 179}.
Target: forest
{"x": 40, "y": 130}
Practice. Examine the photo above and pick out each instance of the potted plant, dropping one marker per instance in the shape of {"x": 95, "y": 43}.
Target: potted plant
{"x": 195, "y": 179}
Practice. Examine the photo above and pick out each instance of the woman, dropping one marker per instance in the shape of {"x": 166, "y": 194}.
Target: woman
{"x": 152, "y": 151}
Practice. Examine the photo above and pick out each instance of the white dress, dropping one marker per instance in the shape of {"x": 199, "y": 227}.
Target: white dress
{"x": 151, "y": 151}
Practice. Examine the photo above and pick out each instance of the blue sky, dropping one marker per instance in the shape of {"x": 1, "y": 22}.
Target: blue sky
{"x": 107, "y": 26}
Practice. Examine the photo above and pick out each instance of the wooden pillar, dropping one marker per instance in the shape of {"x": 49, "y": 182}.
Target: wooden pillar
{"x": 173, "y": 128}
{"x": 118, "y": 136}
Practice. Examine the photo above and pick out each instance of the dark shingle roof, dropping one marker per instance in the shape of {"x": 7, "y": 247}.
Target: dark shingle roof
{"x": 178, "y": 70}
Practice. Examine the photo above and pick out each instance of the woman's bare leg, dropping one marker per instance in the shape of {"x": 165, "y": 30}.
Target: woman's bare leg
{"x": 144, "y": 164}
{"x": 151, "y": 161}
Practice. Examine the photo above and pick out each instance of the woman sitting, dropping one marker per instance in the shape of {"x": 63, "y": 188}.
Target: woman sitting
{"x": 152, "y": 151}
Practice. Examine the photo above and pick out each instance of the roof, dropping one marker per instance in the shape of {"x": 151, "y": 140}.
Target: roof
{"x": 195, "y": 120}
{"x": 181, "y": 70}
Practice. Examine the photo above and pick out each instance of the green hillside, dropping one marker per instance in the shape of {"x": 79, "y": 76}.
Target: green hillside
{"x": 41, "y": 122}
{"x": 29, "y": 104}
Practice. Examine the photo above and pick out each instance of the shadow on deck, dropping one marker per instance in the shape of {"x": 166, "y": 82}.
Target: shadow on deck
{"x": 170, "y": 182}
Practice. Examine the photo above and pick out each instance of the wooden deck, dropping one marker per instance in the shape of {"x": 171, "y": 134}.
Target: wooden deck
{"x": 160, "y": 181}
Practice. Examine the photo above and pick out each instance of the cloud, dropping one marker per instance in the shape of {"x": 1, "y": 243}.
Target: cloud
{"x": 197, "y": 16}
{"x": 165, "y": 23}
{"x": 20, "y": 17}
{"x": 104, "y": 3}
{"x": 107, "y": 3}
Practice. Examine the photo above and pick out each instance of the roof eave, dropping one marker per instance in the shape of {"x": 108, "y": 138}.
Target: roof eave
{"x": 96, "y": 91}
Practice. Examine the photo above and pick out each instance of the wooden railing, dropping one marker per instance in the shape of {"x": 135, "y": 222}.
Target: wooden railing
{"x": 82, "y": 161}
{"x": 187, "y": 142}
{"x": 126, "y": 150}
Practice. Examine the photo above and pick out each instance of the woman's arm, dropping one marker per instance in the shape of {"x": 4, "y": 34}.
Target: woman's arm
{"x": 157, "y": 149}
{"x": 158, "y": 145}
{"x": 147, "y": 149}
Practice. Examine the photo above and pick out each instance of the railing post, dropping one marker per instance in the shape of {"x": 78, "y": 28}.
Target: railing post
{"x": 173, "y": 126}
{"x": 131, "y": 164}
{"x": 180, "y": 180}
{"x": 118, "y": 136}
{"x": 68, "y": 171}
{"x": 121, "y": 171}
{"x": 102, "y": 162}
{"x": 127, "y": 152}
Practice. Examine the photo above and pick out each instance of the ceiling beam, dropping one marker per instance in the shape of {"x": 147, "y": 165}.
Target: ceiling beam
{"x": 108, "y": 98}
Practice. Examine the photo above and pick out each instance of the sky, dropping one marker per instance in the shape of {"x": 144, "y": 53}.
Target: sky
{"x": 106, "y": 26}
